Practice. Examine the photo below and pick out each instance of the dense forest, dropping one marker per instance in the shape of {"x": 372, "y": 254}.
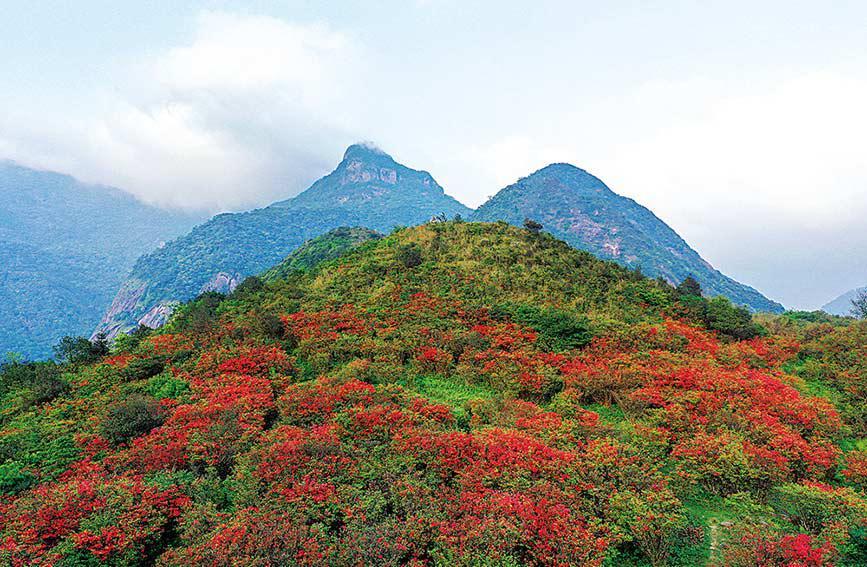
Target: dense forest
{"x": 65, "y": 248}
{"x": 450, "y": 394}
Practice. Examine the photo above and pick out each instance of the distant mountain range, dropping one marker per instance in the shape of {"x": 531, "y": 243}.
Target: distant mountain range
{"x": 71, "y": 244}
{"x": 842, "y": 305}
{"x": 65, "y": 247}
{"x": 579, "y": 208}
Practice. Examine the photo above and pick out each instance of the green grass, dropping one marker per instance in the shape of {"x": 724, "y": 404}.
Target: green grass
{"x": 608, "y": 415}
{"x": 447, "y": 391}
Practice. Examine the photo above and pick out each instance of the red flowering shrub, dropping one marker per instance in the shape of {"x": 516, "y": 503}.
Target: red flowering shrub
{"x": 250, "y": 361}
{"x": 109, "y": 517}
{"x": 856, "y": 468}
{"x": 734, "y": 427}
{"x": 169, "y": 344}
{"x": 799, "y": 550}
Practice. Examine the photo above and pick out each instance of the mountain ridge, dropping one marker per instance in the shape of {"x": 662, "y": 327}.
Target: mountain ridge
{"x": 367, "y": 188}
{"x": 577, "y": 206}
{"x": 842, "y": 304}
{"x": 66, "y": 247}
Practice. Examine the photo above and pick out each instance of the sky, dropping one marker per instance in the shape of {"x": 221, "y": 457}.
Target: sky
{"x": 740, "y": 124}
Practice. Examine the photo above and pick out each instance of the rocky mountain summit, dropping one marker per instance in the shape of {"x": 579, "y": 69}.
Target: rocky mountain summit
{"x": 368, "y": 188}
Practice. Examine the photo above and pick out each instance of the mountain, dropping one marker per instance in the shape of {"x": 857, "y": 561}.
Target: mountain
{"x": 579, "y": 208}
{"x": 842, "y": 305}
{"x": 64, "y": 247}
{"x": 450, "y": 394}
{"x": 368, "y": 188}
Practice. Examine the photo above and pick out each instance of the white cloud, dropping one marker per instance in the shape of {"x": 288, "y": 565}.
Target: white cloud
{"x": 243, "y": 53}
{"x": 768, "y": 182}
{"x": 755, "y": 158}
{"x": 250, "y": 110}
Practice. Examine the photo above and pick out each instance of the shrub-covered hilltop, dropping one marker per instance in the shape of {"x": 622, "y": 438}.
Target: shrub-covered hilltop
{"x": 451, "y": 394}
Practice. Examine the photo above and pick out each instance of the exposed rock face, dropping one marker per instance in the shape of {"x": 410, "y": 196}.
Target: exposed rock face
{"x": 125, "y": 301}
{"x": 222, "y": 283}
{"x": 583, "y": 211}
{"x": 158, "y": 315}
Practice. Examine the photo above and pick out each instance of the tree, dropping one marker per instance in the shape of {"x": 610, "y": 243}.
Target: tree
{"x": 201, "y": 314}
{"x": 250, "y": 286}
{"x": 859, "y": 304}
{"x": 689, "y": 286}
{"x": 79, "y": 350}
{"x": 100, "y": 345}
{"x": 131, "y": 417}
{"x": 730, "y": 320}
{"x": 533, "y": 226}
{"x": 409, "y": 255}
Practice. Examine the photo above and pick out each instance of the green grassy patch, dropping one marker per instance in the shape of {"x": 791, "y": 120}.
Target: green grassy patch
{"x": 448, "y": 391}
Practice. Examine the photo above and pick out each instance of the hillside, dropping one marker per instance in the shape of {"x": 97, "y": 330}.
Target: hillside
{"x": 451, "y": 394}
{"x": 579, "y": 208}
{"x": 329, "y": 246}
{"x": 368, "y": 188}
{"x": 66, "y": 246}
{"x": 842, "y": 305}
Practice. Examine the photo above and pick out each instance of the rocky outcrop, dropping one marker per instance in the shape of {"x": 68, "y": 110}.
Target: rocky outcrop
{"x": 118, "y": 318}
{"x": 222, "y": 282}
{"x": 158, "y": 315}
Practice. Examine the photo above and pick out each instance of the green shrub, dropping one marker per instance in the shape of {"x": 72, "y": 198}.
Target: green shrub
{"x": 165, "y": 385}
{"x": 143, "y": 368}
{"x": 42, "y": 380}
{"x": 270, "y": 325}
{"x": 736, "y": 322}
{"x": 558, "y": 329}
{"x": 131, "y": 418}
{"x": 13, "y": 478}
{"x": 409, "y": 255}
{"x": 812, "y": 507}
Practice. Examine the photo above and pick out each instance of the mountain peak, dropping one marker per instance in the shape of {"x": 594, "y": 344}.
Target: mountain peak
{"x": 562, "y": 166}
{"x": 571, "y": 175}
{"x": 581, "y": 209}
{"x": 365, "y": 151}
{"x": 370, "y": 179}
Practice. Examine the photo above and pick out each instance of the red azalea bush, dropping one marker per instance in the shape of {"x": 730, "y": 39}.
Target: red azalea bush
{"x": 88, "y": 511}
